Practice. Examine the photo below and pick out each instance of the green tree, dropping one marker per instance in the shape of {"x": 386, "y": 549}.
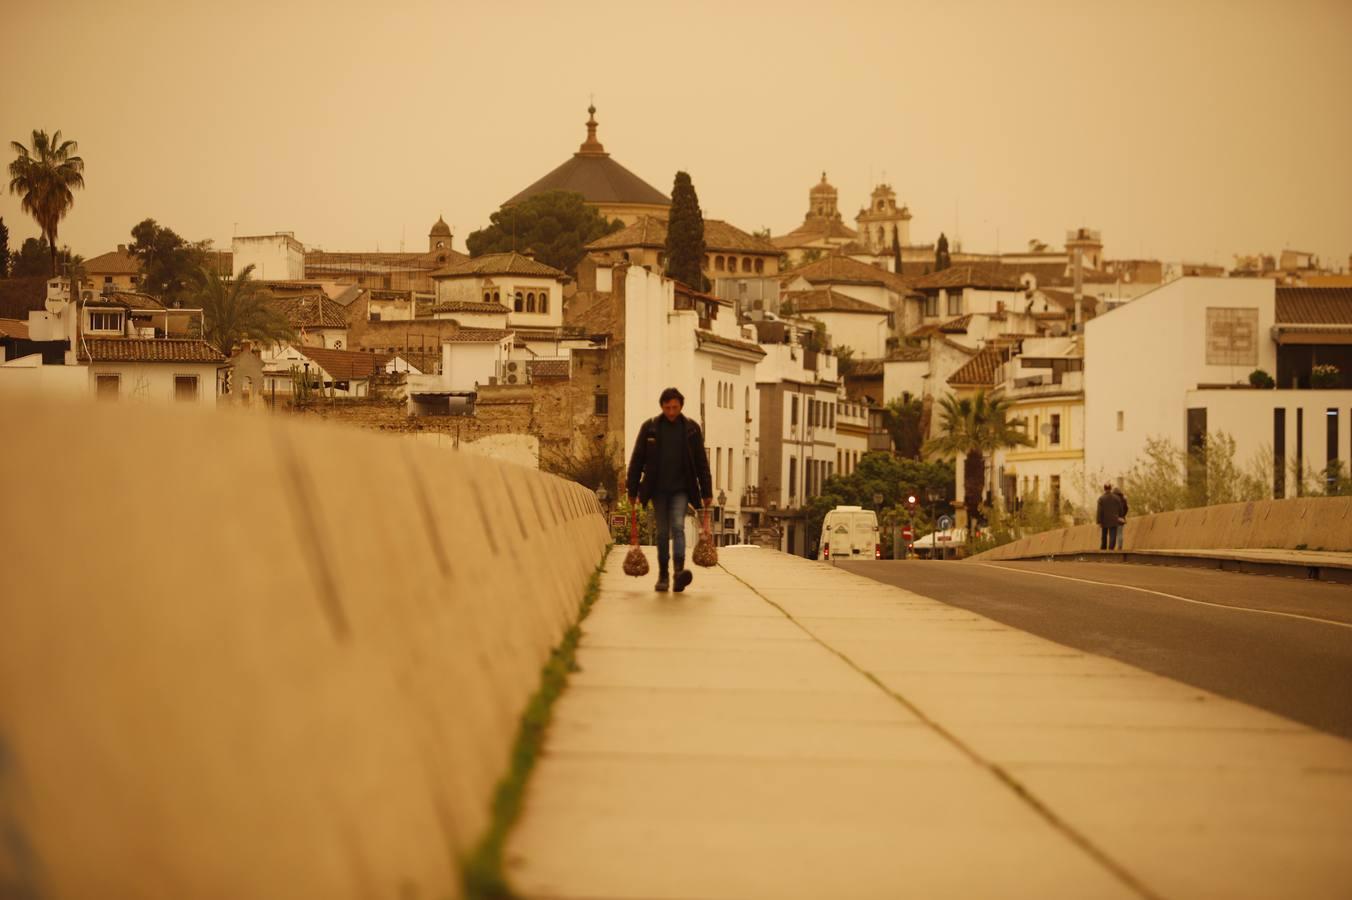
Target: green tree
{"x": 893, "y": 478}
{"x": 4, "y": 248}
{"x": 171, "y": 267}
{"x": 237, "y": 310}
{"x": 685, "y": 235}
{"x": 973, "y": 428}
{"x": 896, "y": 253}
{"x": 33, "y": 258}
{"x": 844, "y": 360}
{"x": 554, "y": 227}
{"x": 902, "y": 418}
{"x": 941, "y": 258}
{"x": 46, "y": 176}
{"x": 1158, "y": 481}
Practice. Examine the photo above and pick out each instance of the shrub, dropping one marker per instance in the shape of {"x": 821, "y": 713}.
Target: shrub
{"x": 1260, "y": 379}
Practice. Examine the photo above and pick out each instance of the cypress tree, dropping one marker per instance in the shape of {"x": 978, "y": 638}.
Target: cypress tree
{"x": 941, "y": 258}
{"x": 4, "y": 248}
{"x": 896, "y": 253}
{"x": 685, "y": 235}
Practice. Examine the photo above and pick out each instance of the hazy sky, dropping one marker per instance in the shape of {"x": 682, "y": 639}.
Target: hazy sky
{"x": 1182, "y": 129}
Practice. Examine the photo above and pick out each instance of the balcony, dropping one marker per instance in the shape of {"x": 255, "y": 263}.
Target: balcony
{"x": 751, "y": 498}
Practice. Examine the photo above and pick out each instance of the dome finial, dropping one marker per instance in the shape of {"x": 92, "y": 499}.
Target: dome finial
{"x": 591, "y": 146}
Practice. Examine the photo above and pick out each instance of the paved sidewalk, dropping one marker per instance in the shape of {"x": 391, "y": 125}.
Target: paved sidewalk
{"x": 827, "y": 736}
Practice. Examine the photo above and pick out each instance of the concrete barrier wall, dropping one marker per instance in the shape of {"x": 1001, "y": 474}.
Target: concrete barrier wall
{"x": 245, "y": 657}
{"x": 1313, "y": 523}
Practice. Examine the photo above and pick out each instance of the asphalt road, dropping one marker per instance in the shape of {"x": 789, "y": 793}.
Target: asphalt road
{"x": 1297, "y": 664}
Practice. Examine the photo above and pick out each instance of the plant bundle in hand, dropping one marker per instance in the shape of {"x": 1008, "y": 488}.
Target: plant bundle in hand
{"x": 635, "y": 563}
{"x": 706, "y": 554}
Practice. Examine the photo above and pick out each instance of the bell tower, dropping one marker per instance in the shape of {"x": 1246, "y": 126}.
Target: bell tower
{"x": 439, "y": 238}
{"x": 883, "y": 219}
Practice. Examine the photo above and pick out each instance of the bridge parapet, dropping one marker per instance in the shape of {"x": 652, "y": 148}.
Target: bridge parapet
{"x": 247, "y": 657}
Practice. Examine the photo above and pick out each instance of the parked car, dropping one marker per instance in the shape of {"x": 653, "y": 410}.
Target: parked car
{"x": 850, "y": 532}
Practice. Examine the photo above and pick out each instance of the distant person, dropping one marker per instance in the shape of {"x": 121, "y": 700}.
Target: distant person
{"x": 1120, "y": 533}
{"x": 670, "y": 467}
{"x": 1109, "y": 517}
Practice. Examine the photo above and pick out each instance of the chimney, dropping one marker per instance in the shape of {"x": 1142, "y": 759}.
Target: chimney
{"x": 121, "y": 248}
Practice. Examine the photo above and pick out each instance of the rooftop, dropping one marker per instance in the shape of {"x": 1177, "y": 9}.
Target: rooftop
{"x": 979, "y": 371}
{"x": 836, "y": 269}
{"x": 114, "y": 262}
{"x": 598, "y": 178}
{"x": 498, "y": 264}
{"x": 473, "y": 307}
{"x": 828, "y": 300}
{"x": 310, "y": 311}
{"x": 1314, "y": 306}
{"x": 174, "y": 350}
{"x": 477, "y": 336}
{"x": 346, "y": 365}
{"x": 651, "y": 231}
{"x": 983, "y": 277}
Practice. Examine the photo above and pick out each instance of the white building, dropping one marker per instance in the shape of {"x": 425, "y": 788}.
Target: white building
{"x": 275, "y": 257}
{"x": 849, "y": 322}
{"x": 691, "y": 341}
{"x": 1175, "y": 363}
{"x": 531, "y": 291}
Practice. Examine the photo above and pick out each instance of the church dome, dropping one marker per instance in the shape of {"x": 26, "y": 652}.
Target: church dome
{"x": 599, "y": 179}
{"x": 440, "y": 228}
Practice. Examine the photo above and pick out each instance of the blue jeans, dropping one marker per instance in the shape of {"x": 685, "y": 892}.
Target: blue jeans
{"x": 670, "y": 512}
{"x": 1117, "y": 536}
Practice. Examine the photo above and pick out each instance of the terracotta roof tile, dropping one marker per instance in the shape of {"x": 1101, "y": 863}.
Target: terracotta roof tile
{"x": 498, "y": 264}
{"x": 910, "y": 354}
{"x": 837, "y": 269}
{"x": 347, "y": 365}
{"x": 979, "y": 370}
{"x": 814, "y": 230}
{"x": 114, "y": 262}
{"x": 13, "y": 328}
{"x": 128, "y": 300}
{"x": 827, "y": 300}
{"x": 310, "y": 311}
{"x": 477, "y": 336}
{"x": 987, "y": 277}
{"x": 1314, "y": 306}
{"x": 719, "y": 236}
{"x": 866, "y": 368}
{"x": 598, "y": 178}
{"x": 548, "y": 368}
{"x": 470, "y": 306}
{"x": 181, "y": 350}
{"x": 956, "y": 325}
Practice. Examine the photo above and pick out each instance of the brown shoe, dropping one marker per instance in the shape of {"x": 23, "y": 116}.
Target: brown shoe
{"x": 683, "y": 579}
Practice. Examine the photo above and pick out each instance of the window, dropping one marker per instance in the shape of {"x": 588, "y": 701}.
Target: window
{"x": 730, "y": 488}
{"x": 601, "y": 405}
{"x": 1121, "y": 420}
{"x": 1055, "y": 437}
{"x": 1054, "y": 488}
{"x": 718, "y": 263}
{"x": 954, "y": 302}
{"x": 1332, "y": 471}
{"x": 105, "y": 321}
{"x": 746, "y": 264}
{"x": 718, "y": 468}
{"x": 519, "y": 304}
{"x": 497, "y": 297}
{"x": 185, "y": 387}
{"x": 488, "y": 296}
{"x": 107, "y": 279}
{"x": 931, "y": 305}
{"x": 106, "y": 386}
{"x": 543, "y": 305}
{"x": 760, "y": 266}
{"x": 793, "y": 411}
{"x": 1279, "y": 454}
{"x": 530, "y": 302}
{"x": 793, "y": 480}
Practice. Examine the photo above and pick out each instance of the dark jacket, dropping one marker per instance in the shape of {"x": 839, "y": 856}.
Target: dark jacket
{"x": 1110, "y": 510}
{"x": 643, "y": 462}
{"x": 1122, "y": 498}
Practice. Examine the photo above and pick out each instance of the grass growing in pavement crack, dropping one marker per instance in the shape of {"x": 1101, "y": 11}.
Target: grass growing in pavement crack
{"x": 483, "y": 876}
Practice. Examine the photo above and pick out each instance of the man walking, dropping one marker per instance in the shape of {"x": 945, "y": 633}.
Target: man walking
{"x": 1120, "y": 532}
{"x": 670, "y": 468}
{"x": 1109, "y": 517}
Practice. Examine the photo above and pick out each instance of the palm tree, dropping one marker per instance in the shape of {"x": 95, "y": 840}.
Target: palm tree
{"x": 236, "y": 309}
{"x": 902, "y": 418}
{"x": 974, "y": 427}
{"x": 47, "y": 177}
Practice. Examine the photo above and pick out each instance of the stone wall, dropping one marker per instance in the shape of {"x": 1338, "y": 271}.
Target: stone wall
{"x": 230, "y": 668}
{"x": 1313, "y": 523}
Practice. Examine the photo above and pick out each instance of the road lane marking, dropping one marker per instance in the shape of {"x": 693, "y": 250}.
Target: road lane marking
{"x": 1128, "y": 587}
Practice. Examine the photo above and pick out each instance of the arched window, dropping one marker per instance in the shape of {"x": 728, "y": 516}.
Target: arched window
{"x": 746, "y": 264}
{"x": 488, "y": 296}
{"x": 760, "y": 265}
{"x": 544, "y": 302}
{"x": 880, "y": 235}
{"x": 748, "y": 401}
{"x": 497, "y": 297}
{"x": 718, "y": 263}
{"x": 530, "y": 302}
{"x": 520, "y": 303}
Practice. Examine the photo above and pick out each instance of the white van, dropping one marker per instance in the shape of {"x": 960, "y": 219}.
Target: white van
{"x": 850, "y": 532}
